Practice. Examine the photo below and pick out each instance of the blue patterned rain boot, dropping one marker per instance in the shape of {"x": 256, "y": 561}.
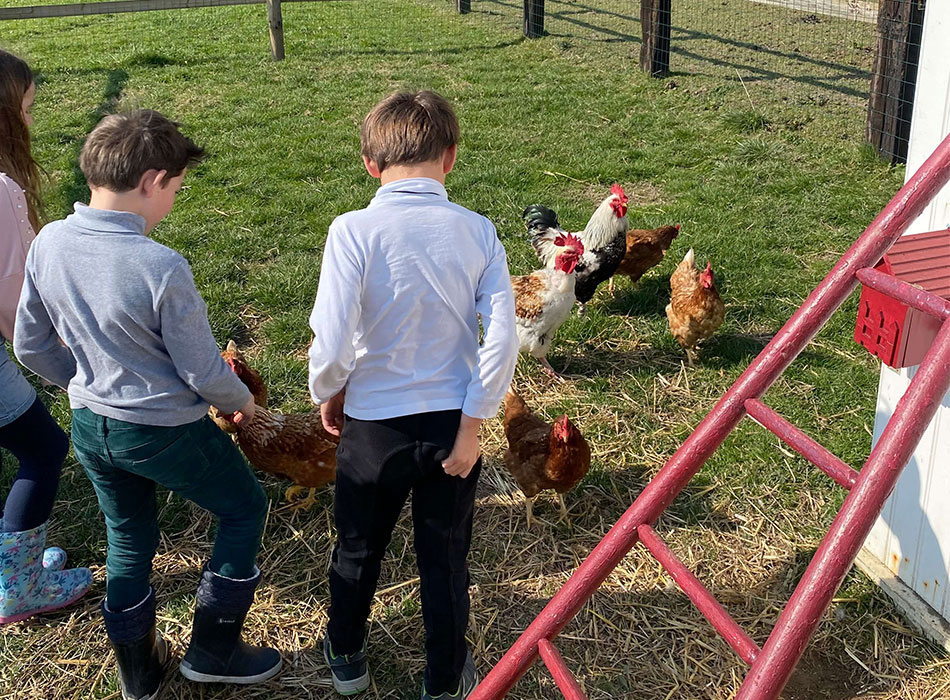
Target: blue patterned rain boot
{"x": 26, "y": 586}
{"x": 54, "y": 559}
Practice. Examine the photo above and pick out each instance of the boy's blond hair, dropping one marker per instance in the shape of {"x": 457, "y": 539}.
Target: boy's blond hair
{"x": 125, "y": 146}
{"x": 407, "y": 128}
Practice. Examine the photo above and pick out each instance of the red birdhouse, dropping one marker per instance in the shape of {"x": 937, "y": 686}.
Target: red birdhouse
{"x": 889, "y": 329}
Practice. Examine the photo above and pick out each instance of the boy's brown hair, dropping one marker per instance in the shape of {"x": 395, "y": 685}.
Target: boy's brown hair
{"x": 124, "y": 146}
{"x": 407, "y": 128}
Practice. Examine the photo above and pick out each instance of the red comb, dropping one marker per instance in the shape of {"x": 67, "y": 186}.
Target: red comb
{"x": 569, "y": 240}
{"x": 618, "y": 190}
{"x": 677, "y": 227}
{"x": 708, "y": 267}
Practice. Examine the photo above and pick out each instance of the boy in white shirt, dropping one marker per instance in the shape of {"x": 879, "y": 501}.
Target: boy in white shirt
{"x": 396, "y": 366}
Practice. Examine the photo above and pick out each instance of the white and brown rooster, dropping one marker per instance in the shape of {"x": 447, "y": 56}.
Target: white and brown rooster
{"x": 544, "y": 298}
{"x": 604, "y": 239}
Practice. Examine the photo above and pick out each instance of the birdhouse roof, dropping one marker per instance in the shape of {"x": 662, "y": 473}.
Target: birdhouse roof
{"x": 923, "y": 259}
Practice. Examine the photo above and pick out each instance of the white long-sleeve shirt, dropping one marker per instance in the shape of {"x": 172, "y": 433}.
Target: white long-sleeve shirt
{"x": 396, "y": 319}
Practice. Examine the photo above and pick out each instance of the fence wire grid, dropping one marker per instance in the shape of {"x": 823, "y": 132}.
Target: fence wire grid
{"x": 838, "y": 54}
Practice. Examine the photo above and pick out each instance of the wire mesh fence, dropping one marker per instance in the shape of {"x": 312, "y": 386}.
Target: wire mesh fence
{"x": 835, "y": 54}
{"x": 838, "y": 54}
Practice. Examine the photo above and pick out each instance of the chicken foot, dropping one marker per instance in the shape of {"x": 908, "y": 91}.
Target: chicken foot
{"x": 307, "y": 503}
{"x": 549, "y": 370}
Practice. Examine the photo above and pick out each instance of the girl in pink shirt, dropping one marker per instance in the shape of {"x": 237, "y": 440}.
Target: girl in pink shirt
{"x": 31, "y": 580}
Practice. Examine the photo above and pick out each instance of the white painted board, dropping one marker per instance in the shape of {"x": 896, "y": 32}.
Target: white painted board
{"x": 912, "y": 536}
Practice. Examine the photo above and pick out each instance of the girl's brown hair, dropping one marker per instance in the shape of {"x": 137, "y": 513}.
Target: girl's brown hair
{"x": 16, "y": 158}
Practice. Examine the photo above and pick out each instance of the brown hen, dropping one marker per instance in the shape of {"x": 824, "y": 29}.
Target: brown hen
{"x": 645, "y": 249}
{"x": 247, "y": 374}
{"x": 541, "y": 455}
{"x": 695, "y": 310}
{"x": 291, "y": 445}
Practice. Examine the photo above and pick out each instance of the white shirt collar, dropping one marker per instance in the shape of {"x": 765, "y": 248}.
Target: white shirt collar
{"x": 412, "y": 185}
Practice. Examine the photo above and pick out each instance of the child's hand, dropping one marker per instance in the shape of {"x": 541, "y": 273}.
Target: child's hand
{"x": 466, "y": 450}
{"x": 331, "y": 413}
{"x": 246, "y": 414}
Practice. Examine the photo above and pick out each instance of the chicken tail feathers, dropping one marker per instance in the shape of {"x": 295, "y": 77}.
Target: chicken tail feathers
{"x": 514, "y": 404}
{"x": 538, "y": 217}
{"x": 543, "y": 228}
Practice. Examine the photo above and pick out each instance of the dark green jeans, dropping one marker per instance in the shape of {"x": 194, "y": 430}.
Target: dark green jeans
{"x": 199, "y": 462}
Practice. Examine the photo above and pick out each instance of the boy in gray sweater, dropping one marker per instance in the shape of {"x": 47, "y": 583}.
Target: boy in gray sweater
{"x": 114, "y": 318}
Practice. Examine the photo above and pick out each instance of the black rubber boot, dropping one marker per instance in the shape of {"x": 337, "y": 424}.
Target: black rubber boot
{"x": 141, "y": 653}
{"x": 217, "y": 653}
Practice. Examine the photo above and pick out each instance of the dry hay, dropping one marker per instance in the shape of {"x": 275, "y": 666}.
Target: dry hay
{"x": 638, "y": 637}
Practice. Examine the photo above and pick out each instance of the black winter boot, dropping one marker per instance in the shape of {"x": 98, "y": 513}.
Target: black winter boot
{"x": 217, "y": 653}
{"x": 141, "y": 653}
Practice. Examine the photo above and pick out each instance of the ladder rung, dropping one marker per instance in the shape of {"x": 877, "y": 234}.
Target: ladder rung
{"x": 914, "y": 297}
{"x": 808, "y": 448}
{"x": 564, "y": 679}
{"x": 711, "y": 609}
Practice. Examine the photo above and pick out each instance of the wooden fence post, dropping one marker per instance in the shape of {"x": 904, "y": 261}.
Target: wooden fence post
{"x": 899, "y": 29}
{"x": 276, "y": 21}
{"x": 463, "y": 6}
{"x": 656, "y": 24}
{"x": 533, "y": 18}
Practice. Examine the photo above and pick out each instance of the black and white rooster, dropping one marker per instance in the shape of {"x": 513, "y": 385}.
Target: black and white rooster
{"x": 604, "y": 239}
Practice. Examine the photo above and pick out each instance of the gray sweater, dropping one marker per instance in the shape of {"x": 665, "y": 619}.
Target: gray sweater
{"x": 136, "y": 344}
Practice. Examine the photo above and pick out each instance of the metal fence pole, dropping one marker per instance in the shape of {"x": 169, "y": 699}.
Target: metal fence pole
{"x": 463, "y": 6}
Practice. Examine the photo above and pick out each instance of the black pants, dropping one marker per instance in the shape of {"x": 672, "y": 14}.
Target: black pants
{"x": 40, "y": 445}
{"x": 378, "y": 464}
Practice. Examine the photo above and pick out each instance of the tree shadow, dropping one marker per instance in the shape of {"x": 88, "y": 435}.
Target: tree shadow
{"x": 567, "y": 10}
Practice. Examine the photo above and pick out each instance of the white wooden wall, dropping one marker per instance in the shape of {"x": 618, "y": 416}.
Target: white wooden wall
{"x": 912, "y": 536}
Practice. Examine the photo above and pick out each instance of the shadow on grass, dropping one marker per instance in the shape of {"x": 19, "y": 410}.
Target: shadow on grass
{"x": 74, "y": 185}
{"x": 654, "y": 624}
{"x": 646, "y": 297}
{"x": 835, "y": 71}
{"x": 425, "y": 51}
{"x": 726, "y": 351}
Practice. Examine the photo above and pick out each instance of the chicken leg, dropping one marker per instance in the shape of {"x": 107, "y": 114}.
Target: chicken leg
{"x": 306, "y": 504}
{"x": 549, "y": 370}
{"x": 691, "y": 353}
{"x": 560, "y": 500}
{"x": 529, "y": 502}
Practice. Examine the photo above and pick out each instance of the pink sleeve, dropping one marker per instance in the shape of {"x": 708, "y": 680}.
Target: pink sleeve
{"x": 16, "y": 234}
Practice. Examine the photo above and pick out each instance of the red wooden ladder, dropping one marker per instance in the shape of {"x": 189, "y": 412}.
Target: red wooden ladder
{"x": 868, "y": 489}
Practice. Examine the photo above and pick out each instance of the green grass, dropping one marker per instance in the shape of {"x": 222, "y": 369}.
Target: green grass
{"x": 768, "y": 176}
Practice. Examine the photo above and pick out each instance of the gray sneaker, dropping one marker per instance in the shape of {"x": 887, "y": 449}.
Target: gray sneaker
{"x": 466, "y": 684}
{"x": 350, "y": 671}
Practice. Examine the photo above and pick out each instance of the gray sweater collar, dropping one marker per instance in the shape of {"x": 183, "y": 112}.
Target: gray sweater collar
{"x": 105, "y": 220}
